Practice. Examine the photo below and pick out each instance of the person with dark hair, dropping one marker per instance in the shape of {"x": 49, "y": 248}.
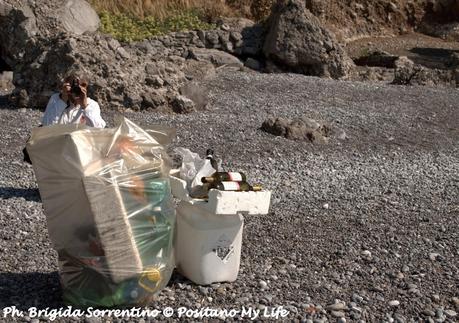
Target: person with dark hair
{"x": 72, "y": 105}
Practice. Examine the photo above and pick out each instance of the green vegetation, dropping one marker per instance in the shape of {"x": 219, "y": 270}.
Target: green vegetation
{"x": 129, "y": 28}
{"x": 133, "y": 20}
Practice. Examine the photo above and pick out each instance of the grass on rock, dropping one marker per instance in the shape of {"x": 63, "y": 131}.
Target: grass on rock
{"x": 133, "y": 20}
{"x": 129, "y": 28}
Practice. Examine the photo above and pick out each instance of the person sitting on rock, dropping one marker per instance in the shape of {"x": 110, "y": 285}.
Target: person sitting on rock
{"x": 72, "y": 105}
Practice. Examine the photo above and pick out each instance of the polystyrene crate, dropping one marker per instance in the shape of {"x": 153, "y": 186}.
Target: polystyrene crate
{"x": 223, "y": 202}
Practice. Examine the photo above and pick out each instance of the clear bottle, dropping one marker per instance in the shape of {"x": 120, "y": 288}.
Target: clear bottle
{"x": 224, "y": 177}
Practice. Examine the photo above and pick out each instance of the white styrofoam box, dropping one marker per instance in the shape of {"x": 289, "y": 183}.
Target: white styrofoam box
{"x": 223, "y": 202}
{"x": 207, "y": 247}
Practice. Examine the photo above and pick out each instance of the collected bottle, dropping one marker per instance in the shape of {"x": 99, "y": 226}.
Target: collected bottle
{"x": 224, "y": 177}
{"x": 210, "y": 156}
{"x": 236, "y": 186}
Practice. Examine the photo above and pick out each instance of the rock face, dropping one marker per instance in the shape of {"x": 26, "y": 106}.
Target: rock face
{"x": 45, "y": 39}
{"x": 246, "y": 36}
{"x": 78, "y": 17}
{"x": 182, "y": 104}
{"x": 6, "y": 80}
{"x": 158, "y": 73}
{"x": 296, "y": 41}
{"x": 353, "y": 19}
{"x": 196, "y": 93}
{"x": 409, "y": 73}
{"x": 448, "y": 32}
{"x": 19, "y": 26}
{"x": 444, "y": 9}
{"x": 216, "y": 57}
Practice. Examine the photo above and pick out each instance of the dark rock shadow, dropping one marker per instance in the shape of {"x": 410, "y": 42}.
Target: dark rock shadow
{"x": 433, "y": 52}
{"x": 4, "y": 101}
{"x": 29, "y": 194}
{"x": 441, "y": 58}
{"x": 253, "y": 39}
{"x": 441, "y": 13}
{"x": 25, "y": 290}
{"x": 177, "y": 278}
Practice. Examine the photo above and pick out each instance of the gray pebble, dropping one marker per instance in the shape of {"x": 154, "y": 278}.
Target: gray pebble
{"x": 450, "y": 313}
{"x": 338, "y": 313}
{"x": 337, "y": 306}
{"x": 394, "y": 303}
{"x": 434, "y": 256}
{"x": 263, "y": 284}
{"x": 357, "y": 298}
{"x": 429, "y": 313}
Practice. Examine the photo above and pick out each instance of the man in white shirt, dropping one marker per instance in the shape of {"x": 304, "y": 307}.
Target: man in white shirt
{"x": 72, "y": 105}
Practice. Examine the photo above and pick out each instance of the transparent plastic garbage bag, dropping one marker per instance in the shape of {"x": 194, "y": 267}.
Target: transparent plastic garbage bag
{"x": 109, "y": 209}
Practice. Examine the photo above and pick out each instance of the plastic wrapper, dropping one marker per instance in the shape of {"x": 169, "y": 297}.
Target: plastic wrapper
{"x": 191, "y": 164}
{"x": 110, "y": 214}
{"x": 194, "y": 168}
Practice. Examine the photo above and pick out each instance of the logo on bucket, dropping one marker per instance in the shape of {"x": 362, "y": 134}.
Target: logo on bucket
{"x": 223, "y": 249}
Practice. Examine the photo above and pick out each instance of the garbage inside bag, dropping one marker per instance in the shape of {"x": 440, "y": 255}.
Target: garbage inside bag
{"x": 193, "y": 169}
{"x": 110, "y": 215}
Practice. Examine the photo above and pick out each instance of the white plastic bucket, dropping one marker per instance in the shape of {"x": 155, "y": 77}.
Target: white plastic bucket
{"x": 208, "y": 246}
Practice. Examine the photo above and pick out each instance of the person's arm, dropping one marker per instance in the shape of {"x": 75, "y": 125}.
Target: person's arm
{"x": 50, "y": 112}
{"x": 64, "y": 118}
{"x": 92, "y": 115}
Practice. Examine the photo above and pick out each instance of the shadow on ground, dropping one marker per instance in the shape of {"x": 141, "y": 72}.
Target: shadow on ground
{"x": 29, "y": 194}
{"x": 433, "y": 57}
{"x": 4, "y": 100}
{"x": 433, "y": 52}
{"x": 25, "y": 290}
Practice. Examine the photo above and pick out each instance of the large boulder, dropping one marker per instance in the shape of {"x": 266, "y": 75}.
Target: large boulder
{"x": 297, "y": 42}
{"x": 182, "y": 104}
{"x": 408, "y": 72}
{"x": 18, "y": 26}
{"x": 303, "y": 129}
{"x": 77, "y": 17}
{"x": 196, "y": 93}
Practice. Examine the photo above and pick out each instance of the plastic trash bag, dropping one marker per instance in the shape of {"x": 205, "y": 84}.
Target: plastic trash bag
{"x": 110, "y": 215}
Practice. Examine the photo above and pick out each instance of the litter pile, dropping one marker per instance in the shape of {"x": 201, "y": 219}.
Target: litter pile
{"x": 107, "y": 195}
